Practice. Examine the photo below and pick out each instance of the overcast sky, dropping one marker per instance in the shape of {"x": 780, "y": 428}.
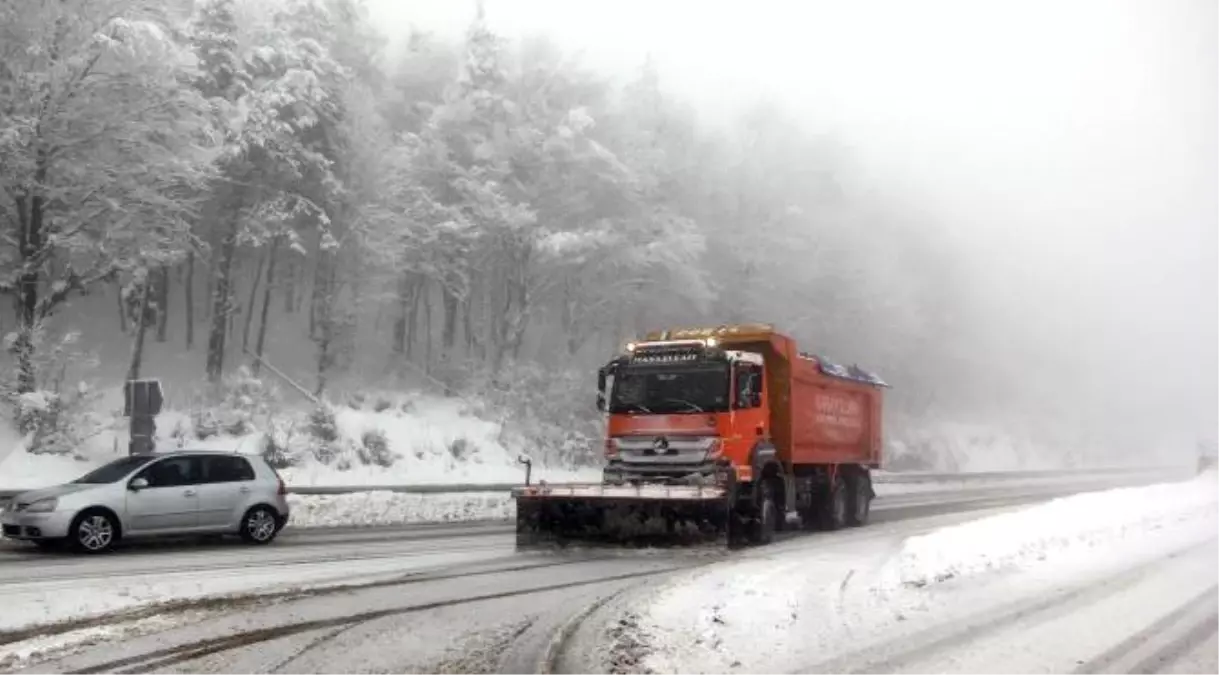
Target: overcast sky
{"x": 1069, "y": 147}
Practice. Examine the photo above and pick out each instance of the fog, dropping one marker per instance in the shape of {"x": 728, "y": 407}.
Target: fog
{"x": 1064, "y": 154}
{"x": 1007, "y": 209}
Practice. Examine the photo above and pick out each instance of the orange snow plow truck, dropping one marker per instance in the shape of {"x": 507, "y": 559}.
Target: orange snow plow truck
{"x": 718, "y": 434}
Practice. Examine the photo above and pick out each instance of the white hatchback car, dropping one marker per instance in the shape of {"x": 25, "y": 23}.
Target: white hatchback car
{"x": 169, "y": 494}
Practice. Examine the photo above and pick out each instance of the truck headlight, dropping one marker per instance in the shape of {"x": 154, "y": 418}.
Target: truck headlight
{"x": 42, "y": 506}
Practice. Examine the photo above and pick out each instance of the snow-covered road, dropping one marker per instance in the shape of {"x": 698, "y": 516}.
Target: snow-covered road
{"x": 431, "y": 598}
{"x": 1117, "y": 581}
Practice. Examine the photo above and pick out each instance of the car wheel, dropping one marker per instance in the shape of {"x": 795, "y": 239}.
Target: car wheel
{"x": 94, "y": 532}
{"x": 260, "y": 525}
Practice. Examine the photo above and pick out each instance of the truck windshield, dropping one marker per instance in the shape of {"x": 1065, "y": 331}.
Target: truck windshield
{"x": 670, "y": 390}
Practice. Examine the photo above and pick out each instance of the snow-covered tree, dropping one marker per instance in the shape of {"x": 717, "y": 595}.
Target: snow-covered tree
{"x": 103, "y": 145}
{"x": 280, "y": 101}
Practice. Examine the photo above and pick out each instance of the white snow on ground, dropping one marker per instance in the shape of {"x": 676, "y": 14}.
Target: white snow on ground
{"x": 364, "y": 509}
{"x": 815, "y": 604}
{"x": 21, "y": 470}
{"x": 438, "y": 441}
{"x": 16, "y": 655}
{"x": 1054, "y": 528}
{"x": 425, "y": 439}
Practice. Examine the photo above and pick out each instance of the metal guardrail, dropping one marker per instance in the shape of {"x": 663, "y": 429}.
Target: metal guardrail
{"x": 880, "y": 477}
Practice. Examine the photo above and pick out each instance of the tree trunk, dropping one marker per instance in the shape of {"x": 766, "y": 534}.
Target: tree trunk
{"x": 314, "y": 297}
{"x": 29, "y": 243}
{"x": 249, "y": 307}
{"x": 323, "y": 309}
{"x": 448, "y": 338}
{"x": 473, "y": 344}
{"x": 290, "y": 288}
{"x": 427, "y": 330}
{"x": 234, "y": 307}
{"x": 266, "y": 305}
{"x": 467, "y": 328}
{"x": 516, "y": 307}
{"x": 141, "y": 327}
{"x": 210, "y": 290}
{"x": 567, "y": 318}
{"x": 298, "y": 282}
{"x": 188, "y": 296}
{"x": 418, "y": 286}
{"x": 404, "y": 308}
{"x": 118, "y": 289}
{"x": 162, "y": 302}
{"x": 221, "y": 299}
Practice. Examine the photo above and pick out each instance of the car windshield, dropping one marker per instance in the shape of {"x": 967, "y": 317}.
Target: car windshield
{"x": 670, "y": 390}
{"x": 114, "y": 471}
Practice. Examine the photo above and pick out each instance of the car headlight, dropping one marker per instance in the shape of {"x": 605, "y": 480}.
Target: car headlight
{"x": 42, "y": 506}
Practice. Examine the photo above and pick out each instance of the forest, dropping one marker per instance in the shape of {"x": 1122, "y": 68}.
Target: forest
{"x": 233, "y": 181}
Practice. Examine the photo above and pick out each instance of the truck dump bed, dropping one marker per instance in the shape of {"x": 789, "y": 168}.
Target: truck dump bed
{"x": 835, "y": 414}
{"x": 821, "y": 412}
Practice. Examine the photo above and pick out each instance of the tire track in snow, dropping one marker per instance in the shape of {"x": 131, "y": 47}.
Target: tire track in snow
{"x": 238, "y": 600}
{"x": 161, "y": 660}
{"x": 895, "y": 654}
{"x": 1178, "y": 631}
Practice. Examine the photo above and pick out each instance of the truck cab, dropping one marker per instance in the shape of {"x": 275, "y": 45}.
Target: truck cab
{"x": 682, "y": 411}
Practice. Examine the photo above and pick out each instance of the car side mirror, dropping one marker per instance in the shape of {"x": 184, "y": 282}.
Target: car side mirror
{"x": 137, "y": 484}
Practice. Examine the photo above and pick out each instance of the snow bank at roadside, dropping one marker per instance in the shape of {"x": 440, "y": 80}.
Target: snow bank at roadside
{"x": 365, "y": 509}
{"x": 1033, "y": 534}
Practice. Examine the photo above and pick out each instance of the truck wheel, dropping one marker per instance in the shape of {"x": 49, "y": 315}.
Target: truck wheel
{"x": 859, "y": 502}
{"x": 762, "y": 529}
{"x": 833, "y": 512}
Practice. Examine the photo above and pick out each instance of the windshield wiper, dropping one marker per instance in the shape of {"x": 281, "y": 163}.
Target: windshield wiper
{"x": 680, "y": 400}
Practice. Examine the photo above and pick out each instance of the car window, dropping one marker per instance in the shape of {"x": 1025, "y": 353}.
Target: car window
{"x": 227, "y": 469}
{"x": 114, "y": 471}
{"x": 172, "y": 472}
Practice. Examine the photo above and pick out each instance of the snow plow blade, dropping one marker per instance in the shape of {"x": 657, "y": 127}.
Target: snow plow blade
{"x": 621, "y": 514}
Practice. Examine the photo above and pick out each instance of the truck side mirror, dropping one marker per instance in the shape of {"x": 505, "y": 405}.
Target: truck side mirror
{"x": 600, "y": 401}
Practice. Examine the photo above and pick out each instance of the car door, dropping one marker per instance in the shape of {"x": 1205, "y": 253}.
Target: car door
{"x": 228, "y": 483}
{"x": 170, "y": 502}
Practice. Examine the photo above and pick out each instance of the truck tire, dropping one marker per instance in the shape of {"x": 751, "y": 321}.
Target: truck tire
{"x": 859, "y": 499}
{"x": 832, "y": 514}
{"x": 762, "y": 529}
